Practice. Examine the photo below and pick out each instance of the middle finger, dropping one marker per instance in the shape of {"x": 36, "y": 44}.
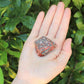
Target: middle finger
{"x": 57, "y": 20}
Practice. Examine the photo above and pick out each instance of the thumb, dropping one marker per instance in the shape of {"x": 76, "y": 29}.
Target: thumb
{"x": 65, "y": 54}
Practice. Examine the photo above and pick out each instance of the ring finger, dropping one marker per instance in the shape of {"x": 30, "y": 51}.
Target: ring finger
{"x": 47, "y": 21}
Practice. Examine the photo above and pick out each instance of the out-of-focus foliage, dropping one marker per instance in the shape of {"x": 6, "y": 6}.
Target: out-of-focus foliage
{"x": 16, "y": 21}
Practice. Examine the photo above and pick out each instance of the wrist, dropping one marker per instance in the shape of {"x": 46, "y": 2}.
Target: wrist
{"x": 17, "y": 80}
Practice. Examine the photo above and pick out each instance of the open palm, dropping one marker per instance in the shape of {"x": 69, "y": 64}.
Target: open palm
{"x": 41, "y": 70}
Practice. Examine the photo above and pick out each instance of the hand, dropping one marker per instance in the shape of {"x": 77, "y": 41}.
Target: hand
{"x": 41, "y": 70}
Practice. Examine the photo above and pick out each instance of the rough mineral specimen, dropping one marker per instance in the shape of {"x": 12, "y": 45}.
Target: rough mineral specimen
{"x": 44, "y": 45}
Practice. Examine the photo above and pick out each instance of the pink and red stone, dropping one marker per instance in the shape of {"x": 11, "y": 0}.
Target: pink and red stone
{"x": 44, "y": 45}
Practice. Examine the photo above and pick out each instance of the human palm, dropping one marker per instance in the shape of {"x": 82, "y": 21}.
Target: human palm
{"x": 41, "y": 70}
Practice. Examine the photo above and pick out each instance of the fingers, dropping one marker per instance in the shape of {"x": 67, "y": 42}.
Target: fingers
{"x": 37, "y": 25}
{"x": 64, "y": 56}
{"x": 63, "y": 29}
{"x": 47, "y": 21}
{"x": 57, "y": 20}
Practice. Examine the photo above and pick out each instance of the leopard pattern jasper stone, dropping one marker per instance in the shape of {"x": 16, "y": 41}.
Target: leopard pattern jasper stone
{"x": 44, "y": 45}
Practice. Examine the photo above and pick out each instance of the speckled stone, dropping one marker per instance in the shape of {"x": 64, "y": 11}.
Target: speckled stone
{"x": 44, "y": 45}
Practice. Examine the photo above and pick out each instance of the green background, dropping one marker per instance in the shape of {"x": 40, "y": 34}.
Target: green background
{"x": 16, "y": 21}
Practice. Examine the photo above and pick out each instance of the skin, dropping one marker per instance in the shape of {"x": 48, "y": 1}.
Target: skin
{"x": 33, "y": 69}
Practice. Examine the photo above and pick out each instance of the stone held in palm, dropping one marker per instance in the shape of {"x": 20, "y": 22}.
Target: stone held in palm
{"x": 44, "y": 45}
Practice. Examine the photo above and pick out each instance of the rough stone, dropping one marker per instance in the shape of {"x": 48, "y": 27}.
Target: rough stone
{"x": 44, "y": 45}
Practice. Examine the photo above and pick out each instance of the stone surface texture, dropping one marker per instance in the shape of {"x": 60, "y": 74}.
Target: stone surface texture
{"x": 44, "y": 45}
